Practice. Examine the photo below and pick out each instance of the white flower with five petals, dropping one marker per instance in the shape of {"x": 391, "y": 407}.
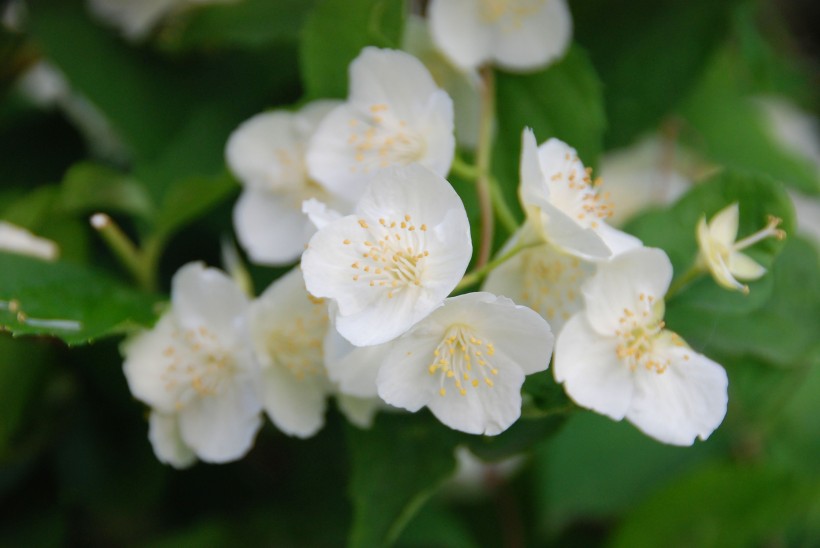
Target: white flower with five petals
{"x": 467, "y": 361}
{"x": 267, "y": 154}
{"x": 395, "y": 115}
{"x": 514, "y": 34}
{"x": 395, "y": 260}
{"x": 616, "y": 358}
{"x": 196, "y": 371}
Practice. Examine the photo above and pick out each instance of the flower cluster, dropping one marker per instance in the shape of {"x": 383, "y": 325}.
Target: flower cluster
{"x": 376, "y": 314}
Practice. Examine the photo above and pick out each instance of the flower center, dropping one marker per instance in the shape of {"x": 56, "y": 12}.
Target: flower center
{"x": 639, "y": 330}
{"x": 551, "y": 281}
{"x": 461, "y": 358}
{"x": 298, "y": 345}
{"x": 394, "y": 256}
{"x": 384, "y": 141}
{"x": 576, "y": 194}
{"x": 197, "y": 365}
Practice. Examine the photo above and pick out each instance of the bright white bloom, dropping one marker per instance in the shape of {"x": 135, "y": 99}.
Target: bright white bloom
{"x": 267, "y": 154}
{"x": 616, "y": 358}
{"x": 166, "y": 439}
{"x": 353, "y": 368}
{"x": 136, "y": 18}
{"x": 15, "y": 239}
{"x": 721, "y": 254}
{"x": 466, "y": 362}
{"x": 560, "y": 198}
{"x": 652, "y": 172}
{"x": 395, "y": 115}
{"x": 393, "y": 261}
{"x": 460, "y": 84}
{"x": 196, "y": 368}
{"x": 514, "y": 34}
{"x": 287, "y": 326}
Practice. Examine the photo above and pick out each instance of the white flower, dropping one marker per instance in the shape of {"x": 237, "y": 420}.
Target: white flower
{"x": 559, "y": 197}
{"x": 353, "y": 368}
{"x": 616, "y": 358}
{"x": 14, "y": 239}
{"x": 721, "y": 254}
{"x": 267, "y": 154}
{"x": 393, "y": 261}
{"x": 166, "y": 439}
{"x": 395, "y": 115}
{"x": 514, "y": 34}
{"x": 466, "y": 362}
{"x": 287, "y": 326}
{"x": 195, "y": 367}
{"x": 542, "y": 277}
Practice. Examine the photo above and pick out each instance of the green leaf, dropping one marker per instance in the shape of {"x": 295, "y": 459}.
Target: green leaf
{"x": 189, "y": 198}
{"x": 673, "y": 230}
{"x": 67, "y": 301}
{"x": 728, "y": 127}
{"x": 518, "y": 438}
{"x": 396, "y": 466}
{"x": 93, "y": 187}
{"x": 563, "y": 101}
{"x": 724, "y": 505}
{"x": 335, "y": 33}
{"x": 782, "y": 331}
{"x": 23, "y": 368}
{"x": 597, "y": 468}
{"x": 246, "y": 24}
{"x": 648, "y": 56}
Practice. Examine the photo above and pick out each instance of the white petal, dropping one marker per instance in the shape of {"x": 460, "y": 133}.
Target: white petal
{"x": 483, "y": 410}
{"x": 534, "y": 38}
{"x": 616, "y": 240}
{"x": 458, "y": 30}
{"x": 265, "y": 152}
{"x": 146, "y": 363}
{"x": 587, "y": 365}
{"x": 296, "y": 407}
{"x": 723, "y": 226}
{"x": 163, "y": 431}
{"x": 686, "y": 401}
{"x": 222, "y": 428}
{"x": 636, "y": 281}
{"x": 404, "y": 380}
{"x": 564, "y": 232}
{"x": 533, "y": 190}
{"x": 319, "y": 213}
{"x": 744, "y": 267}
{"x": 359, "y": 411}
{"x": 388, "y": 318}
{"x": 354, "y": 369}
{"x": 15, "y": 239}
{"x": 271, "y": 226}
{"x": 207, "y": 296}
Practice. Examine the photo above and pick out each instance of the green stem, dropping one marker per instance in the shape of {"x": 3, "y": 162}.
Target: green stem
{"x": 124, "y": 249}
{"x": 683, "y": 280}
{"x": 462, "y": 168}
{"x": 483, "y": 157}
{"x": 502, "y": 210}
{"x": 479, "y": 273}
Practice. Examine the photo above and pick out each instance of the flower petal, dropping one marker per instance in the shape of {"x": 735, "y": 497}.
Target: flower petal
{"x": 635, "y": 281}
{"x": 354, "y": 369}
{"x": 744, "y": 267}
{"x": 296, "y": 407}
{"x": 221, "y": 428}
{"x": 404, "y": 379}
{"x": 163, "y": 432}
{"x": 723, "y": 226}
{"x": 359, "y": 411}
{"x": 271, "y": 226}
{"x": 527, "y": 41}
{"x": 588, "y": 366}
{"x": 686, "y": 401}
{"x": 146, "y": 362}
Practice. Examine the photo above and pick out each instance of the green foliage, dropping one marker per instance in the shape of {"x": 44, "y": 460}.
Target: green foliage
{"x": 70, "y": 302}
{"x": 395, "y": 467}
{"x": 335, "y": 33}
{"x": 650, "y": 58}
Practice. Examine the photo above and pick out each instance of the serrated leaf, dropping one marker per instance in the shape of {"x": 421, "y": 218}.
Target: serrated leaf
{"x": 563, "y": 101}
{"x": 648, "y": 56}
{"x": 673, "y": 230}
{"x": 395, "y": 467}
{"x": 67, "y": 301}
{"x": 335, "y": 33}
{"x": 88, "y": 186}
